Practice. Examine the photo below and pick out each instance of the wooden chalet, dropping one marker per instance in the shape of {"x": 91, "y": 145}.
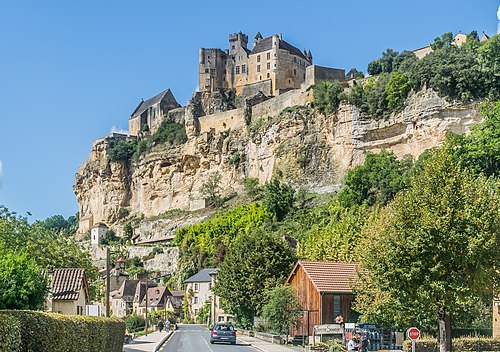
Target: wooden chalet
{"x": 324, "y": 290}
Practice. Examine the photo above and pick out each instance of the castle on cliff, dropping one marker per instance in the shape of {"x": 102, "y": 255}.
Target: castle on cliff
{"x": 272, "y": 67}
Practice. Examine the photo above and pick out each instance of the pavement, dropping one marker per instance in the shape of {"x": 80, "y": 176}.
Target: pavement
{"x": 265, "y": 346}
{"x": 150, "y": 343}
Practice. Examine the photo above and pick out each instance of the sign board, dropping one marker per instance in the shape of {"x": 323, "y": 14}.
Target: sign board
{"x": 350, "y": 326}
{"x": 328, "y": 329}
{"x": 413, "y": 334}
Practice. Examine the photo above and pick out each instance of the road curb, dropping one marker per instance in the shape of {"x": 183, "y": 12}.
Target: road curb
{"x": 162, "y": 341}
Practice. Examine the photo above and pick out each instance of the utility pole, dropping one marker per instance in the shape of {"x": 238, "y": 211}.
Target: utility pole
{"x": 107, "y": 281}
{"x": 146, "y": 307}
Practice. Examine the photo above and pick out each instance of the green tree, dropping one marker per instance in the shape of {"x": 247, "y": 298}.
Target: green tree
{"x": 282, "y": 310}
{"x": 376, "y": 181}
{"x": 212, "y": 190}
{"x": 121, "y": 150}
{"x": 396, "y": 91}
{"x": 480, "y": 150}
{"x": 255, "y": 262}
{"x": 278, "y": 198}
{"x": 489, "y": 61}
{"x": 251, "y": 186}
{"x": 432, "y": 251}
{"x": 22, "y": 285}
{"x": 47, "y": 247}
{"x": 327, "y": 96}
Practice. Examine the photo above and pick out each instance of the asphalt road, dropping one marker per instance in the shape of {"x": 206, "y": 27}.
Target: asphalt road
{"x": 196, "y": 338}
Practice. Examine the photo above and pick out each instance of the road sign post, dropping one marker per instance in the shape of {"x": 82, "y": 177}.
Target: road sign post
{"x": 413, "y": 334}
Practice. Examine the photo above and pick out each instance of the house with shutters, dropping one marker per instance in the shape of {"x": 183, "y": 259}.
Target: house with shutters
{"x": 324, "y": 291}
{"x": 122, "y": 300}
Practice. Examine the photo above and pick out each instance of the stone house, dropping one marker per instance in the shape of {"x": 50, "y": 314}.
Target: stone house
{"x": 156, "y": 298}
{"x": 324, "y": 290}
{"x": 175, "y": 302}
{"x": 271, "y": 59}
{"x": 151, "y": 112}
{"x": 122, "y": 300}
{"x": 117, "y": 276}
{"x": 68, "y": 292}
{"x": 97, "y": 233}
{"x": 199, "y": 290}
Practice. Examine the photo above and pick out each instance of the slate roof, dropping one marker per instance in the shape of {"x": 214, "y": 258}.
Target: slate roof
{"x": 127, "y": 289}
{"x": 176, "y": 299}
{"x": 67, "y": 283}
{"x": 156, "y": 296}
{"x": 202, "y": 276}
{"x": 146, "y": 104}
{"x": 267, "y": 44}
{"x": 328, "y": 276}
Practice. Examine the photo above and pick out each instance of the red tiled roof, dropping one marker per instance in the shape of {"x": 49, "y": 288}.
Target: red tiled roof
{"x": 328, "y": 276}
{"x": 67, "y": 283}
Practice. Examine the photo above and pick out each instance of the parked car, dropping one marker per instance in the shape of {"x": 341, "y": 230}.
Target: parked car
{"x": 223, "y": 333}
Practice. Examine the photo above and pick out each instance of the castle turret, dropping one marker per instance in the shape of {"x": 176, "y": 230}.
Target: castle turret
{"x": 237, "y": 39}
{"x": 257, "y": 39}
{"x": 309, "y": 56}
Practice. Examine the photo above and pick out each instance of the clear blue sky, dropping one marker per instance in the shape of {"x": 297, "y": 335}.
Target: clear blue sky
{"x": 70, "y": 71}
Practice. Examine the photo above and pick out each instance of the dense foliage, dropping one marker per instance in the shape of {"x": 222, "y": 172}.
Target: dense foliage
{"x": 462, "y": 73}
{"x": 376, "y": 181}
{"x": 48, "y": 248}
{"x": 122, "y": 150}
{"x": 431, "y": 252}
{"x": 22, "y": 284}
{"x": 256, "y": 261}
{"x": 327, "y": 96}
{"x": 58, "y": 223}
{"x": 283, "y": 310}
{"x": 54, "y": 332}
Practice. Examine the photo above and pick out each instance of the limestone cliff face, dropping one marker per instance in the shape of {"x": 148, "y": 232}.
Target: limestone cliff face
{"x": 298, "y": 145}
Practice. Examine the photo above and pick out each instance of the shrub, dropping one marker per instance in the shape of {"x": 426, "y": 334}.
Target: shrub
{"x": 327, "y": 96}
{"x": 122, "y": 213}
{"x": 10, "y": 334}
{"x": 54, "y": 332}
{"x": 170, "y": 132}
{"x": 121, "y": 150}
{"x": 278, "y": 198}
{"x": 134, "y": 323}
{"x": 251, "y": 186}
{"x": 463, "y": 344}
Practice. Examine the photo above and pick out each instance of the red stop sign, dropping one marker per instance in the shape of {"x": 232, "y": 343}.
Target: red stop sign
{"x": 413, "y": 334}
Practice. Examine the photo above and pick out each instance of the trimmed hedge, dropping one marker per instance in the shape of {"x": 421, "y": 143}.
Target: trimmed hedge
{"x": 10, "y": 334}
{"x": 461, "y": 344}
{"x": 50, "y": 332}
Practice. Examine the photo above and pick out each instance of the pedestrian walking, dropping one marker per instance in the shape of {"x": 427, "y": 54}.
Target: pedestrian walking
{"x": 160, "y": 326}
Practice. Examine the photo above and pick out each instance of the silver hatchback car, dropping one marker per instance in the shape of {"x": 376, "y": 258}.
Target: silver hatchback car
{"x": 223, "y": 333}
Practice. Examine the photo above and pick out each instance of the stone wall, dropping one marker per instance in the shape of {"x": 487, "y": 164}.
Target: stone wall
{"x": 316, "y": 74}
{"x": 254, "y": 88}
{"x": 227, "y": 120}
{"x": 177, "y": 115}
{"x": 274, "y": 106}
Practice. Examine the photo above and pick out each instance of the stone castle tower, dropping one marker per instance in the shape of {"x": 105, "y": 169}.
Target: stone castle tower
{"x": 272, "y": 65}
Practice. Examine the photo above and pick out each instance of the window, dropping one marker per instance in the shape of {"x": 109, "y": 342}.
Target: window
{"x": 269, "y": 56}
{"x": 196, "y": 312}
{"x": 237, "y": 70}
{"x": 212, "y": 72}
{"x": 243, "y": 68}
{"x": 221, "y": 319}
{"x": 336, "y": 305}
{"x": 294, "y": 59}
{"x": 208, "y": 57}
{"x": 258, "y": 58}
{"x": 260, "y": 77}
{"x": 268, "y": 65}
{"x": 207, "y": 82}
{"x": 196, "y": 287}
{"x": 268, "y": 75}
{"x": 209, "y": 286}
{"x": 258, "y": 68}
{"x": 206, "y": 70}
{"x": 232, "y": 46}
{"x": 195, "y": 300}
{"x": 294, "y": 72}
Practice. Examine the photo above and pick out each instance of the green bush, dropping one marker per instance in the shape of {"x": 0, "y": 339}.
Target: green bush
{"x": 70, "y": 333}
{"x": 327, "y": 96}
{"x": 135, "y": 323}
{"x": 123, "y": 213}
{"x": 10, "y": 334}
{"x": 121, "y": 150}
{"x": 463, "y": 344}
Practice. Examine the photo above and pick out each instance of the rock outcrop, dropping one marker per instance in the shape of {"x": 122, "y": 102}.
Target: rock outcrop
{"x": 298, "y": 145}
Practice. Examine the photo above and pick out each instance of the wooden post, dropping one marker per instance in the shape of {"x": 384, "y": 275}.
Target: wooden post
{"x": 107, "y": 281}
{"x": 146, "y": 307}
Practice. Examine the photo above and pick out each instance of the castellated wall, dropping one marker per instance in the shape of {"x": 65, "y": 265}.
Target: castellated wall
{"x": 274, "y": 106}
{"x": 232, "y": 119}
